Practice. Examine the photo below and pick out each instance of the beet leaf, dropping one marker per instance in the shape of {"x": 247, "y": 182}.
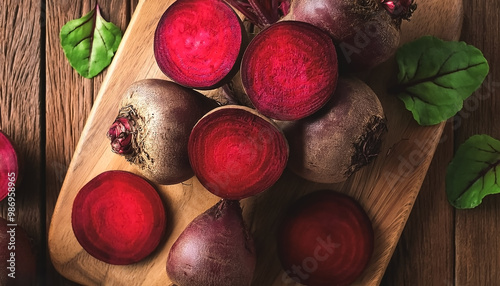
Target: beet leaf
{"x": 474, "y": 172}
{"x": 436, "y": 76}
{"x": 90, "y": 43}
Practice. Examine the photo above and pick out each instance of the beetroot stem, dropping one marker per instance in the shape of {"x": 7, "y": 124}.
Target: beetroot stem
{"x": 260, "y": 13}
{"x": 121, "y": 132}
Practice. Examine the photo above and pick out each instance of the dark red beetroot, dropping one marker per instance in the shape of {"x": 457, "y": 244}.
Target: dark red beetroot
{"x": 235, "y": 152}
{"x": 342, "y": 137}
{"x": 118, "y": 217}
{"x": 199, "y": 43}
{"x": 215, "y": 249}
{"x": 289, "y": 70}
{"x": 17, "y": 259}
{"x": 366, "y": 32}
{"x": 9, "y": 166}
{"x": 326, "y": 239}
{"x": 153, "y": 126}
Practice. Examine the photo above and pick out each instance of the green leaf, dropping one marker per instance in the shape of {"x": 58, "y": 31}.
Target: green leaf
{"x": 436, "y": 76}
{"x": 90, "y": 43}
{"x": 474, "y": 172}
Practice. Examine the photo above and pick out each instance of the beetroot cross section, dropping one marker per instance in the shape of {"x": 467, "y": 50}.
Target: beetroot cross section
{"x": 290, "y": 70}
{"x": 325, "y": 239}
{"x": 236, "y": 152}
{"x": 198, "y": 43}
{"x": 118, "y": 217}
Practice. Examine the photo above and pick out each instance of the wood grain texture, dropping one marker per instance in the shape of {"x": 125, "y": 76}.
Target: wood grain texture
{"x": 424, "y": 256}
{"x": 387, "y": 188}
{"x": 477, "y": 243}
{"x": 21, "y": 111}
{"x": 425, "y": 252}
{"x": 473, "y": 256}
{"x": 69, "y": 97}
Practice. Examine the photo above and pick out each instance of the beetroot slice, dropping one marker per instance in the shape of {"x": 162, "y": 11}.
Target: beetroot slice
{"x": 118, "y": 217}
{"x": 236, "y": 152}
{"x": 9, "y": 166}
{"x": 326, "y": 239}
{"x": 290, "y": 70}
{"x": 199, "y": 43}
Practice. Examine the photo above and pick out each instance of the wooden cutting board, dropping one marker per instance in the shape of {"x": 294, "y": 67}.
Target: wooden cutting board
{"x": 387, "y": 188}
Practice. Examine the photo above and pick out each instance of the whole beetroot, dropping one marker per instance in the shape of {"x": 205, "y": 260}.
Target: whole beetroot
{"x": 215, "y": 249}
{"x": 342, "y": 137}
{"x": 365, "y": 32}
{"x": 153, "y": 127}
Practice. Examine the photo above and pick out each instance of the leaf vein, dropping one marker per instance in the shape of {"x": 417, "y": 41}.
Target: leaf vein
{"x": 81, "y": 25}
{"x": 480, "y": 175}
{"x": 433, "y": 78}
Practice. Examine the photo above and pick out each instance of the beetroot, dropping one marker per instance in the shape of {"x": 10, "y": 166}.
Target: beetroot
{"x": 9, "y": 166}
{"x": 118, "y": 217}
{"x": 199, "y": 43}
{"x": 366, "y": 35}
{"x": 17, "y": 258}
{"x": 235, "y": 152}
{"x": 289, "y": 70}
{"x": 365, "y": 32}
{"x": 215, "y": 249}
{"x": 153, "y": 127}
{"x": 326, "y": 239}
{"x": 341, "y": 138}
{"x": 262, "y": 12}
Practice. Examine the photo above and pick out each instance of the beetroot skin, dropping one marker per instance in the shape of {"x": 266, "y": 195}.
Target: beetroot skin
{"x": 236, "y": 152}
{"x": 366, "y": 32}
{"x": 118, "y": 217}
{"x": 153, "y": 126}
{"x": 9, "y": 166}
{"x": 341, "y": 138}
{"x": 289, "y": 70}
{"x": 326, "y": 239}
{"x": 199, "y": 43}
{"x": 215, "y": 249}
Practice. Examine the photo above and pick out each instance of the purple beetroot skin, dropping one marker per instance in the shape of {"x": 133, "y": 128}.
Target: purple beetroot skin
{"x": 215, "y": 249}
{"x": 366, "y": 32}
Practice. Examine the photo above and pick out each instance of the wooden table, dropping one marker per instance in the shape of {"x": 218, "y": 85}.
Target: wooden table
{"x": 44, "y": 104}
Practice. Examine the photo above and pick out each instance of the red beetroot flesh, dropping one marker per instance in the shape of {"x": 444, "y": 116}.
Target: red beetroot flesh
{"x": 365, "y": 33}
{"x": 8, "y": 166}
{"x": 236, "y": 152}
{"x": 289, "y": 70}
{"x": 326, "y": 239}
{"x": 215, "y": 249}
{"x": 118, "y": 217}
{"x": 23, "y": 264}
{"x": 199, "y": 43}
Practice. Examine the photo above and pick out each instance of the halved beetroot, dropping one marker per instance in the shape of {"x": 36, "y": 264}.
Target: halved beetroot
{"x": 118, "y": 217}
{"x": 199, "y": 43}
{"x": 289, "y": 70}
{"x": 326, "y": 239}
{"x": 9, "y": 166}
{"x": 236, "y": 152}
